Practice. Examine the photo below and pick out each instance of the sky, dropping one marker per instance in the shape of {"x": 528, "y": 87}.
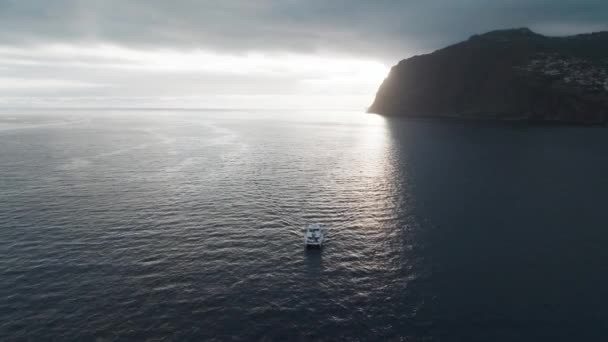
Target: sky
{"x": 313, "y": 54}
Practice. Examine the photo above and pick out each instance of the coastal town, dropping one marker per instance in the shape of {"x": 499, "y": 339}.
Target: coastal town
{"x": 589, "y": 77}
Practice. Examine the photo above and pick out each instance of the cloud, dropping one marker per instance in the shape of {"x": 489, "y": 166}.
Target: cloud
{"x": 88, "y": 73}
{"x": 8, "y": 83}
{"x": 234, "y": 52}
{"x": 389, "y": 29}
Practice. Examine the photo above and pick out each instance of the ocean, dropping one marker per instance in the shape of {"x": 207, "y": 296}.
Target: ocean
{"x": 187, "y": 225}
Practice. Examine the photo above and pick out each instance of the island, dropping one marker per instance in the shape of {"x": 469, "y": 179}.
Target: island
{"x": 513, "y": 74}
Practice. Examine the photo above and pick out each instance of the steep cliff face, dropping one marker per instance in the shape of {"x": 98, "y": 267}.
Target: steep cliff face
{"x": 508, "y": 74}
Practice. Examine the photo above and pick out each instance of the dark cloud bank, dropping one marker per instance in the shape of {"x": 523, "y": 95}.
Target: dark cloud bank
{"x": 386, "y": 29}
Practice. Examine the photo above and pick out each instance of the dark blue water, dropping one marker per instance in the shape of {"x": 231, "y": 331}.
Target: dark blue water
{"x": 186, "y": 225}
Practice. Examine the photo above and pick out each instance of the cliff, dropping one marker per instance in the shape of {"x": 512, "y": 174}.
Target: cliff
{"x": 506, "y": 75}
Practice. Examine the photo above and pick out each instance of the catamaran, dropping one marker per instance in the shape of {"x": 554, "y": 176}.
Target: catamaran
{"x": 314, "y": 235}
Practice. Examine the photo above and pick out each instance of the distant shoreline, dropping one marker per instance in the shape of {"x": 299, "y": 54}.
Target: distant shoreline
{"x": 469, "y": 119}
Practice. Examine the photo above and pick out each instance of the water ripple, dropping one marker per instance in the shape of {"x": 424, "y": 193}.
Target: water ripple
{"x": 188, "y": 226}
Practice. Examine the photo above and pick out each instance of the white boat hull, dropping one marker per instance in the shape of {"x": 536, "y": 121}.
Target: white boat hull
{"x": 314, "y": 235}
